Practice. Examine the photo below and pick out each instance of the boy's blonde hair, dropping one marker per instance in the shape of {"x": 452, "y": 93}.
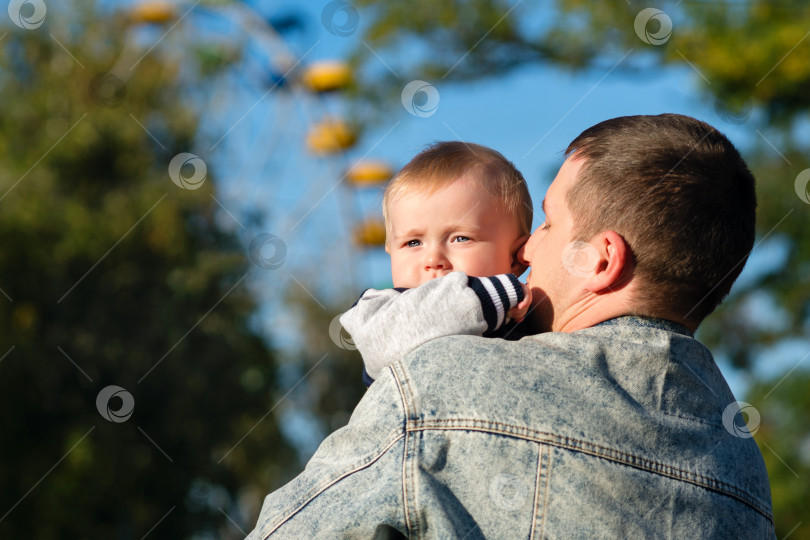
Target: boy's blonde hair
{"x": 441, "y": 164}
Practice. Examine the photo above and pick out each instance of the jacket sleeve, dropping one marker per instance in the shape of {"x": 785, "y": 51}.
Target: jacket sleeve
{"x": 388, "y": 324}
{"x": 352, "y": 486}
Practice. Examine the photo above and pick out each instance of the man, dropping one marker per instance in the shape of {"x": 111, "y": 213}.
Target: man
{"x": 613, "y": 423}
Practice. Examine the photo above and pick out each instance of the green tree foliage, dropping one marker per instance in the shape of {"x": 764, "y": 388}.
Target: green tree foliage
{"x": 751, "y": 53}
{"x": 112, "y": 275}
{"x": 783, "y": 435}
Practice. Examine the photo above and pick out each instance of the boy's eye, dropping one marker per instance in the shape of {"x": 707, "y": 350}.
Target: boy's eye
{"x": 544, "y": 227}
{"x": 413, "y": 243}
{"x": 461, "y": 239}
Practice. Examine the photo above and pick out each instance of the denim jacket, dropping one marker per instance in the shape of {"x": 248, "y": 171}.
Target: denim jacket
{"x": 614, "y": 431}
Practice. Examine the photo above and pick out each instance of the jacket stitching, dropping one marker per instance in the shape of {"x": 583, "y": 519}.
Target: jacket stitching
{"x": 323, "y": 486}
{"x": 412, "y": 398}
{"x": 547, "y": 449}
{"x": 417, "y": 526}
{"x": 399, "y": 382}
{"x": 599, "y": 451}
{"x": 538, "y": 476}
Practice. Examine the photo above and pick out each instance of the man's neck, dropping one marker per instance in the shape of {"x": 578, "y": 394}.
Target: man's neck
{"x": 594, "y": 309}
{"x": 592, "y": 319}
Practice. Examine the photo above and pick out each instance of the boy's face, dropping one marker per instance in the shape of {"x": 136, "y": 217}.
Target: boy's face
{"x": 459, "y": 227}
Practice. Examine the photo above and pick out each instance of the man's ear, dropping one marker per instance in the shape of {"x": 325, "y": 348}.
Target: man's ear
{"x": 614, "y": 259}
{"x": 517, "y": 267}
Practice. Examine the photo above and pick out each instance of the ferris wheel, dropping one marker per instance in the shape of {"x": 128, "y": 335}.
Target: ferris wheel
{"x": 290, "y": 151}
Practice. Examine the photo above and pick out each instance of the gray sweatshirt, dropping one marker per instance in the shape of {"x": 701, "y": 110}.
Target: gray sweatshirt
{"x": 385, "y": 325}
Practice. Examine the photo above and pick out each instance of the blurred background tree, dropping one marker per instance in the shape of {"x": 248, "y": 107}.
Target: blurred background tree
{"x": 784, "y": 436}
{"x": 113, "y": 275}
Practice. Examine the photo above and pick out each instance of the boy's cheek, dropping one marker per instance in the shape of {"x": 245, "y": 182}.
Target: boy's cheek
{"x": 518, "y": 268}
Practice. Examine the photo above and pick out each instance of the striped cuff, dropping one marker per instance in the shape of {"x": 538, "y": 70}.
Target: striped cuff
{"x": 498, "y": 294}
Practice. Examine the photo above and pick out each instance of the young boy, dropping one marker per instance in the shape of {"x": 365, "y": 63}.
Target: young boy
{"x": 458, "y": 212}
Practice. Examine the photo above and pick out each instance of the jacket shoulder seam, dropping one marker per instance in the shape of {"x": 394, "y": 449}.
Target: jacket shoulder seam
{"x": 326, "y": 484}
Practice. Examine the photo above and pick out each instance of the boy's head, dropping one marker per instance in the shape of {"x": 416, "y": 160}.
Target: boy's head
{"x": 455, "y": 206}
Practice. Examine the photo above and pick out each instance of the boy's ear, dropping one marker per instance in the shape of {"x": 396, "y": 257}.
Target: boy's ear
{"x": 614, "y": 259}
{"x": 517, "y": 267}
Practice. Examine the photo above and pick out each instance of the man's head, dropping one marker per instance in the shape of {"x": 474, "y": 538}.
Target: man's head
{"x": 655, "y": 212}
{"x": 455, "y": 206}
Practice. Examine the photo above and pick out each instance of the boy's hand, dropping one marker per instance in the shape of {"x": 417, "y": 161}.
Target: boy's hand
{"x": 518, "y": 313}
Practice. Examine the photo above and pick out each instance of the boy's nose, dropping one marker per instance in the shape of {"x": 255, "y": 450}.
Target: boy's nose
{"x": 436, "y": 258}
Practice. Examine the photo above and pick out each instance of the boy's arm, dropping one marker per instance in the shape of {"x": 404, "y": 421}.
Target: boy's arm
{"x": 388, "y": 324}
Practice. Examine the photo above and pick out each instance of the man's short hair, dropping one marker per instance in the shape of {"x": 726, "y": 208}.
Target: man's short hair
{"x": 680, "y": 195}
{"x": 441, "y": 164}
